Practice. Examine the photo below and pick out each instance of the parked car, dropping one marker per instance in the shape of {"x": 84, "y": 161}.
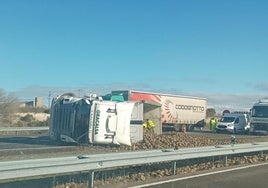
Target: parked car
{"x": 233, "y": 123}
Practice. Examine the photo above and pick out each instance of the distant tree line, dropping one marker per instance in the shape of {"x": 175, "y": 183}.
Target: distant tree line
{"x": 211, "y": 112}
{"x": 34, "y": 109}
{"x": 29, "y": 121}
{"x": 9, "y": 105}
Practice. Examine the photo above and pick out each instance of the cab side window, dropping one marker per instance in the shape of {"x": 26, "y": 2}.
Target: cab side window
{"x": 237, "y": 120}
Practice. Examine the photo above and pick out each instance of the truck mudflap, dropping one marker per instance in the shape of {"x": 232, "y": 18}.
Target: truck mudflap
{"x": 200, "y": 123}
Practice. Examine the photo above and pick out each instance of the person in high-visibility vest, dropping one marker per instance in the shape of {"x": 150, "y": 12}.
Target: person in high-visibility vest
{"x": 144, "y": 124}
{"x": 213, "y": 124}
{"x": 149, "y": 124}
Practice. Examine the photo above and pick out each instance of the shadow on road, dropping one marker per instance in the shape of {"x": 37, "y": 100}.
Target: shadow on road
{"x": 28, "y": 140}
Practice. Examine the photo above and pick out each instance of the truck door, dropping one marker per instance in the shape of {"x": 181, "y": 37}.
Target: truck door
{"x": 123, "y": 111}
{"x": 236, "y": 124}
{"x": 239, "y": 124}
{"x": 102, "y": 116}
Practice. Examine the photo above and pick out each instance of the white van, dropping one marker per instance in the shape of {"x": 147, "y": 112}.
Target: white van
{"x": 233, "y": 123}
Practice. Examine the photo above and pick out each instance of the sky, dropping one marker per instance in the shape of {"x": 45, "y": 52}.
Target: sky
{"x": 217, "y": 49}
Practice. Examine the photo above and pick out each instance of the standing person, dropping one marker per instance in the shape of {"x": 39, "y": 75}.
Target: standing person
{"x": 148, "y": 124}
{"x": 144, "y": 124}
{"x": 213, "y": 124}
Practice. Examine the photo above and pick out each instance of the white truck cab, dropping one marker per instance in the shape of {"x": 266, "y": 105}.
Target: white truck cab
{"x": 233, "y": 123}
{"x": 259, "y": 117}
{"x": 90, "y": 120}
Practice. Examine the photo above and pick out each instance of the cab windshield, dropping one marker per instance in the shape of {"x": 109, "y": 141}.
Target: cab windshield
{"x": 260, "y": 111}
{"x": 227, "y": 119}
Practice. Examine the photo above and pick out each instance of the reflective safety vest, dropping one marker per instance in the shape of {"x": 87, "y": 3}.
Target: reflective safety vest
{"x": 150, "y": 124}
{"x": 144, "y": 125}
{"x": 213, "y": 122}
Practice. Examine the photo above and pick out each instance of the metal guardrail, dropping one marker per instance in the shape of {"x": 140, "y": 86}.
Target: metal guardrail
{"x": 28, "y": 169}
{"x": 21, "y": 130}
{"x": 7, "y": 129}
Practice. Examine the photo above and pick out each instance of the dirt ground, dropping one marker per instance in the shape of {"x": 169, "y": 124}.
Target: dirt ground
{"x": 36, "y": 116}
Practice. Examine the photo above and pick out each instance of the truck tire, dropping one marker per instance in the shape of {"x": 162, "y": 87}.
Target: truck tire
{"x": 177, "y": 128}
{"x": 190, "y": 127}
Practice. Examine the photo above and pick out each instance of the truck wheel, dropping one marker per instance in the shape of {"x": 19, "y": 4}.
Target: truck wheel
{"x": 55, "y": 136}
{"x": 190, "y": 127}
{"x": 177, "y": 128}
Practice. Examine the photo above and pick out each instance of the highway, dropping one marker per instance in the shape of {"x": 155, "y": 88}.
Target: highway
{"x": 39, "y": 144}
{"x": 20, "y": 145}
{"x": 240, "y": 177}
{"x": 42, "y": 140}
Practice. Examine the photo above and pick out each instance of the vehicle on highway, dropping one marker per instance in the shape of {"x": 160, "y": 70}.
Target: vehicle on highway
{"x": 175, "y": 111}
{"x": 233, "y": 123}
{"x": 90, "y": 120}
{"x": 259, "y": 117}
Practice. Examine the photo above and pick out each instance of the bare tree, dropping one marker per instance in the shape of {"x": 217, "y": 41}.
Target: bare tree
{"x": 211, "y": 112}
{"x": 8, "y": 105}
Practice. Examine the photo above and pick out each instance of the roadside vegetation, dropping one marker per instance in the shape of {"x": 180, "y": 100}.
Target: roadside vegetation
{"x": 8, "y": 106}
{"x": 29, "y": 121}
{"x": 12, "y": 114}
{"x": 211, "y": 112}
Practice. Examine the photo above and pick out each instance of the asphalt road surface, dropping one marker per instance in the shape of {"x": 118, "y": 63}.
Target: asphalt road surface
{"x": 12, "y": 142}
{"x": 43, "y": 140}
{"x": 255, "y": 176}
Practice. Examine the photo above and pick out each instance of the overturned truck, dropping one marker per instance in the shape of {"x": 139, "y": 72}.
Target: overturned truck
{"x": 90, "y": 120}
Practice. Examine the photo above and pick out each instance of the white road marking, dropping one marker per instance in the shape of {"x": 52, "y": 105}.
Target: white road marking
{"x": 199, "y": 175}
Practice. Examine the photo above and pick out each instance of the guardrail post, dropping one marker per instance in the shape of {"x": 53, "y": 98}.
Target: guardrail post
{"x": 53, "y": 181}
{"x": 225, "y": 159}
{"x": 174, "y": 167}
{"x": 261, "y": 153}
{"x": 91, "y": 179}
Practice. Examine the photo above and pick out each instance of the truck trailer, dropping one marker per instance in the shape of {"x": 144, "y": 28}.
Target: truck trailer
{"x": 90, "y": 120}
{"x": 175, "y": 111}
{"x": 259, "y": 117}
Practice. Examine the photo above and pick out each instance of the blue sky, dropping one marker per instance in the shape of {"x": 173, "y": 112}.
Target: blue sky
{"x": 210, "y": 48}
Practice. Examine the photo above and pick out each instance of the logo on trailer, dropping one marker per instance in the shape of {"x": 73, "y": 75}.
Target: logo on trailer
{"x": 190, "y": 107}
{"x": 170, "y": 110}
{"x": 97, "y": 122}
